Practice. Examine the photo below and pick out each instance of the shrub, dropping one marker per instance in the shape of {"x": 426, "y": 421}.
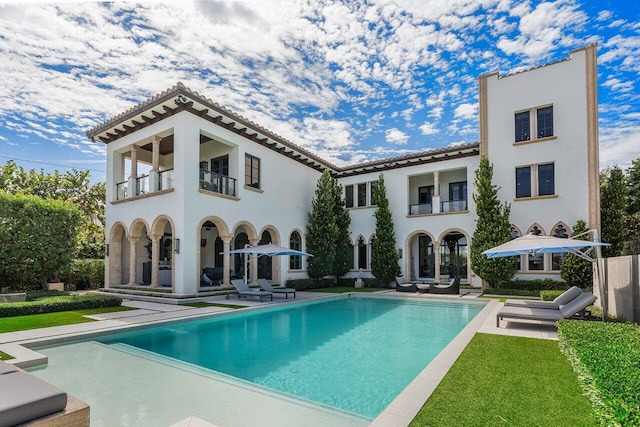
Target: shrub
{"x": 605, "y": 357}
{"x": 36, "y": 295}
{"x": 520, "y": 292}
{"x": 550, "y": 295}
{"x": 58, "y": 303}
{"x": 303, "y": 284}
{"x": 534, "y": 285}
{"x": 85, "y": 273}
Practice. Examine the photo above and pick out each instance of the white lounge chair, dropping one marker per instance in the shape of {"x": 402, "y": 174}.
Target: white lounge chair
{"x": 245, "y": 291}
{"x": 563, "y": 299}
{"x": 574, "y": 307}
{"x": 266, "y": 286}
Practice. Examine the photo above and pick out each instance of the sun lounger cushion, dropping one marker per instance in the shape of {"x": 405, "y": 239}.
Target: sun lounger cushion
{"x": 24, "y": 397}
{"x": 577, "y": 305}
{"x": 561, "y": 300}
{"x": 544, "y": 314}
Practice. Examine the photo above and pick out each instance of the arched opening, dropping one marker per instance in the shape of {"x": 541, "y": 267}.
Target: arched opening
{"x": 265, "y": 263}
{"x": 240, "y": 241}
{"x": 454, "y": 255}
{"x": 295, "y": 243}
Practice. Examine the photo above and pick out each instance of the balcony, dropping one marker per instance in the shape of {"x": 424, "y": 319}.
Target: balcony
{"x": 122, "y": 190}
{"x": 165, "y": 179}
{"x": 217, "y": 183}
{"x": 420, "y": 209}
{"x": 142, "y": 185}
{"x": 454, "y": 206}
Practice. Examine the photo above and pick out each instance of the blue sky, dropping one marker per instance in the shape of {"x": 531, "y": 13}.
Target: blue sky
{"x": 350, "y": 80}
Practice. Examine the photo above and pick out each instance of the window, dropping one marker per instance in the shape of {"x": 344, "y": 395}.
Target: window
{"x": 374, "y": 185}
{"x": 546, "y": 186}
{"x": 536, "y": 262}
{"x": 295, "y": 243}
{"x": 352, "y": 258}
{"x": 220, "y": 165}
{"x": 251, "y": 171}
{"x": 362, "y": 253}
{"x": 523, "y": 182}
{"x": 557, "y": 258}
{"x": 203, "y": 167}
{"x": 545, "y": 122}
{"x": 348, "y": 194}
{"x": 362, "y": 194}
{"x": 425, "y": 194}
{"x": 458, "y": 191}
{"x": 523, "y": 127}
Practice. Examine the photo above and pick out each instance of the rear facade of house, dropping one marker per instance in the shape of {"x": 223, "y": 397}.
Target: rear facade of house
{"x": 188, "y": 179}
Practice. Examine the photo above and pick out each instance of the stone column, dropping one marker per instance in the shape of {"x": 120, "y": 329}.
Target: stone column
{"x": 254, "y": 262}
{"x": 435, "y": 200}
{"x": 132, "y": 260}
{"x": 226, "y": 259}
{"x": 436, "y": 249}
{"x": 133, "y": 191}
{"x": 154, "y": 181}
{"x": 155, "y": 260}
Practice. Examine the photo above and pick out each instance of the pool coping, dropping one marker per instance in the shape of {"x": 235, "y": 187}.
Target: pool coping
{"x": 400, "y": 412}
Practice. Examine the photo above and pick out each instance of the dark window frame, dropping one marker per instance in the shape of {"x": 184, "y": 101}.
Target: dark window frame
{"x": 523, "y": 182}
{"x": 544, "y": 120}
{"x": 372, "y": 187}
{"x": 362, "y": 194}
{"x": 252, "y": 165}
{"x": 522, "y": 126}
{"x": 425, "y": 194}
{"x": 461, "y": 187}
{"x": 546, "y": 179}
{"x": 220, "y": 165}
{"x": 295, "y": 261}
{"x": 348, "y": 195}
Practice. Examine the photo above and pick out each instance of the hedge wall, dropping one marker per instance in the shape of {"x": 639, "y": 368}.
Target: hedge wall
{"x": 606, "y": 358}
{"x": 84, "y": 274}
{"x": 59, "y": 303}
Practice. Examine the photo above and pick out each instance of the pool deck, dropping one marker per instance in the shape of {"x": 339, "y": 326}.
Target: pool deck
{"x": 399, "y": 413}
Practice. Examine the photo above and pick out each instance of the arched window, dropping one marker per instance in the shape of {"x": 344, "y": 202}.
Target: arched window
{"x": 295, "y": 243}
{"x": 453, "y": 255}
{"x": 362, "y": 254}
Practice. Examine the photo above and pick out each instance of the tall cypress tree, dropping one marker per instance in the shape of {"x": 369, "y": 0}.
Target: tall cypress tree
{"x": 384, "y": 256}
{"x": 613, "y": 193}
{"x": 328, "y": 230}
{"x": 575, "y": 270}
{"x": 492, "y": 228}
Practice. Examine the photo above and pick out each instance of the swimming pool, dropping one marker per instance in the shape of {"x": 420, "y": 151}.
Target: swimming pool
{"x": 352, "y": 353}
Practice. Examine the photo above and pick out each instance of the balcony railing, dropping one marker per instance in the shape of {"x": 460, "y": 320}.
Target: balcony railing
{"x": 122, "y": 190}
{"x": 142, "y": 185}
{"x": 217, "y": 183}
{"x": 165, "y": 179}
{"x": 420, "y": 209}
{"x": 454, "y": 206}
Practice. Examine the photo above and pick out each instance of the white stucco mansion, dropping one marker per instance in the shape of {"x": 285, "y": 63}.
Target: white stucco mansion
{"x": 218, "y": 181}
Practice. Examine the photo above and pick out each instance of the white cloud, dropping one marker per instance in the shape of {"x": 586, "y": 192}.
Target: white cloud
{"x": 396, "y": 136}
{"x": 428, "y": 129}
{"x": 466, "y": 111}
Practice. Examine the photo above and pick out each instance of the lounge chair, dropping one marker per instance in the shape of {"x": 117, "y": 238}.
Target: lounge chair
{"x": 266, "y": 286}
{"x": 402, "y": 285}
{"x": 563, "y": 299}
{"x": 574, "y": 308}
{"x": 452, "y": 288}
{"x": 245, "y": 291}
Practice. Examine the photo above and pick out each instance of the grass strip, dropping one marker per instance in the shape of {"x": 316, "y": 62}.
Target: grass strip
{"x": 5, "y": 356}
{"x": 35, "y": 321}
{"x": 213, "y": 304}
{"x": 503, "y": 380}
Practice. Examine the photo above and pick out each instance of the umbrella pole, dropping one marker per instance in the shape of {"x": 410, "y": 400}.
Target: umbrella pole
{"x": 597, "y": 258}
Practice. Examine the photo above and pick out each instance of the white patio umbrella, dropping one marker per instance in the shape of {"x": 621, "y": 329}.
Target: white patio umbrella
{"x": 264, "y": 250}
{"x": 530, "y": 244}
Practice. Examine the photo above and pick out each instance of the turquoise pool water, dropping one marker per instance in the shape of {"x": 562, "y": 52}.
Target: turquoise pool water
{"x": 353, "y": 353}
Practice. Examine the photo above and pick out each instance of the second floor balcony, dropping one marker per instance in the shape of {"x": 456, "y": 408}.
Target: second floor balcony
{"x": 217, "y": 183}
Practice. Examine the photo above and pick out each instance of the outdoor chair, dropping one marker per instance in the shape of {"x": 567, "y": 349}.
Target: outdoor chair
{"x": 452, "y": 288}
{"x": 244, "y": 290}
{"x": 575, "y": 308}
{"x": 266, "y": 286}
{"x": 563, "y": 299}
{"x": 403, "y": 286}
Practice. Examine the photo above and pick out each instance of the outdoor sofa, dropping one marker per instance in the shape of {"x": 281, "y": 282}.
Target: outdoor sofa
{"x": 402, "y": 285}
{"x": 452, "y": 288}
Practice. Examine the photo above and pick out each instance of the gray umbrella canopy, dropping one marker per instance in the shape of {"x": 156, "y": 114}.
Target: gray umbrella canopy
{"x": 530, "y": 244}
{"x": 269, "y": 250}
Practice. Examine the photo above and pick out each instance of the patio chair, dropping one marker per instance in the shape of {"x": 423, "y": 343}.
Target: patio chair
{"x": 402, "y": 285}
{"x": 452, "y": 288}
{"x": 575, "y": 308}
{"x": 266, "y": 286}
{"x": 563, "y": 299}
{"x": 244, "y": 290}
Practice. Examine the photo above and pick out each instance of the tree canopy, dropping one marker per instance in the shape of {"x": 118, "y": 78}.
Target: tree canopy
{"x": 575, "y": 270}
{"x": 613, "y": 201}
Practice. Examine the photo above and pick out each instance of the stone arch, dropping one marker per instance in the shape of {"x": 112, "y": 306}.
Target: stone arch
{"x": 560, "y": 229}
{"x": 275, "y": 234}
{"x": 137, "y": 226}
{"x": 252, "y": 234}
{"x": 222, "y": 227}
{"x": 295, "y": 262}
{"x": 159, "y": 225}
{"x": 208, "y": 247}
{"x": 447, "y": 250}
{"x": 536, "y": 229}
{"x": 117, "y": 255}
{"x": 413, "y": 265}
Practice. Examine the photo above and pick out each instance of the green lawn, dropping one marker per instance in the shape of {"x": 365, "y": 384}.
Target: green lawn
{"x": 35, "y": 321}
{"x": 500, "y": 380}
{"x": 5, "y": 356}
{"x": 344, "y": 289}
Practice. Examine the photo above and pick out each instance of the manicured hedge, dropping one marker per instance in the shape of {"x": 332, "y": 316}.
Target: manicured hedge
{"x": 59, "y": 303}
{"x": 302, "y": 284}
{"x": 550, "y": 295}
{"x": 534, "y": 285}
{"x": 606, "y": 357}
{"x": 85, "y": 274}
{"x": 520, "y": 292}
